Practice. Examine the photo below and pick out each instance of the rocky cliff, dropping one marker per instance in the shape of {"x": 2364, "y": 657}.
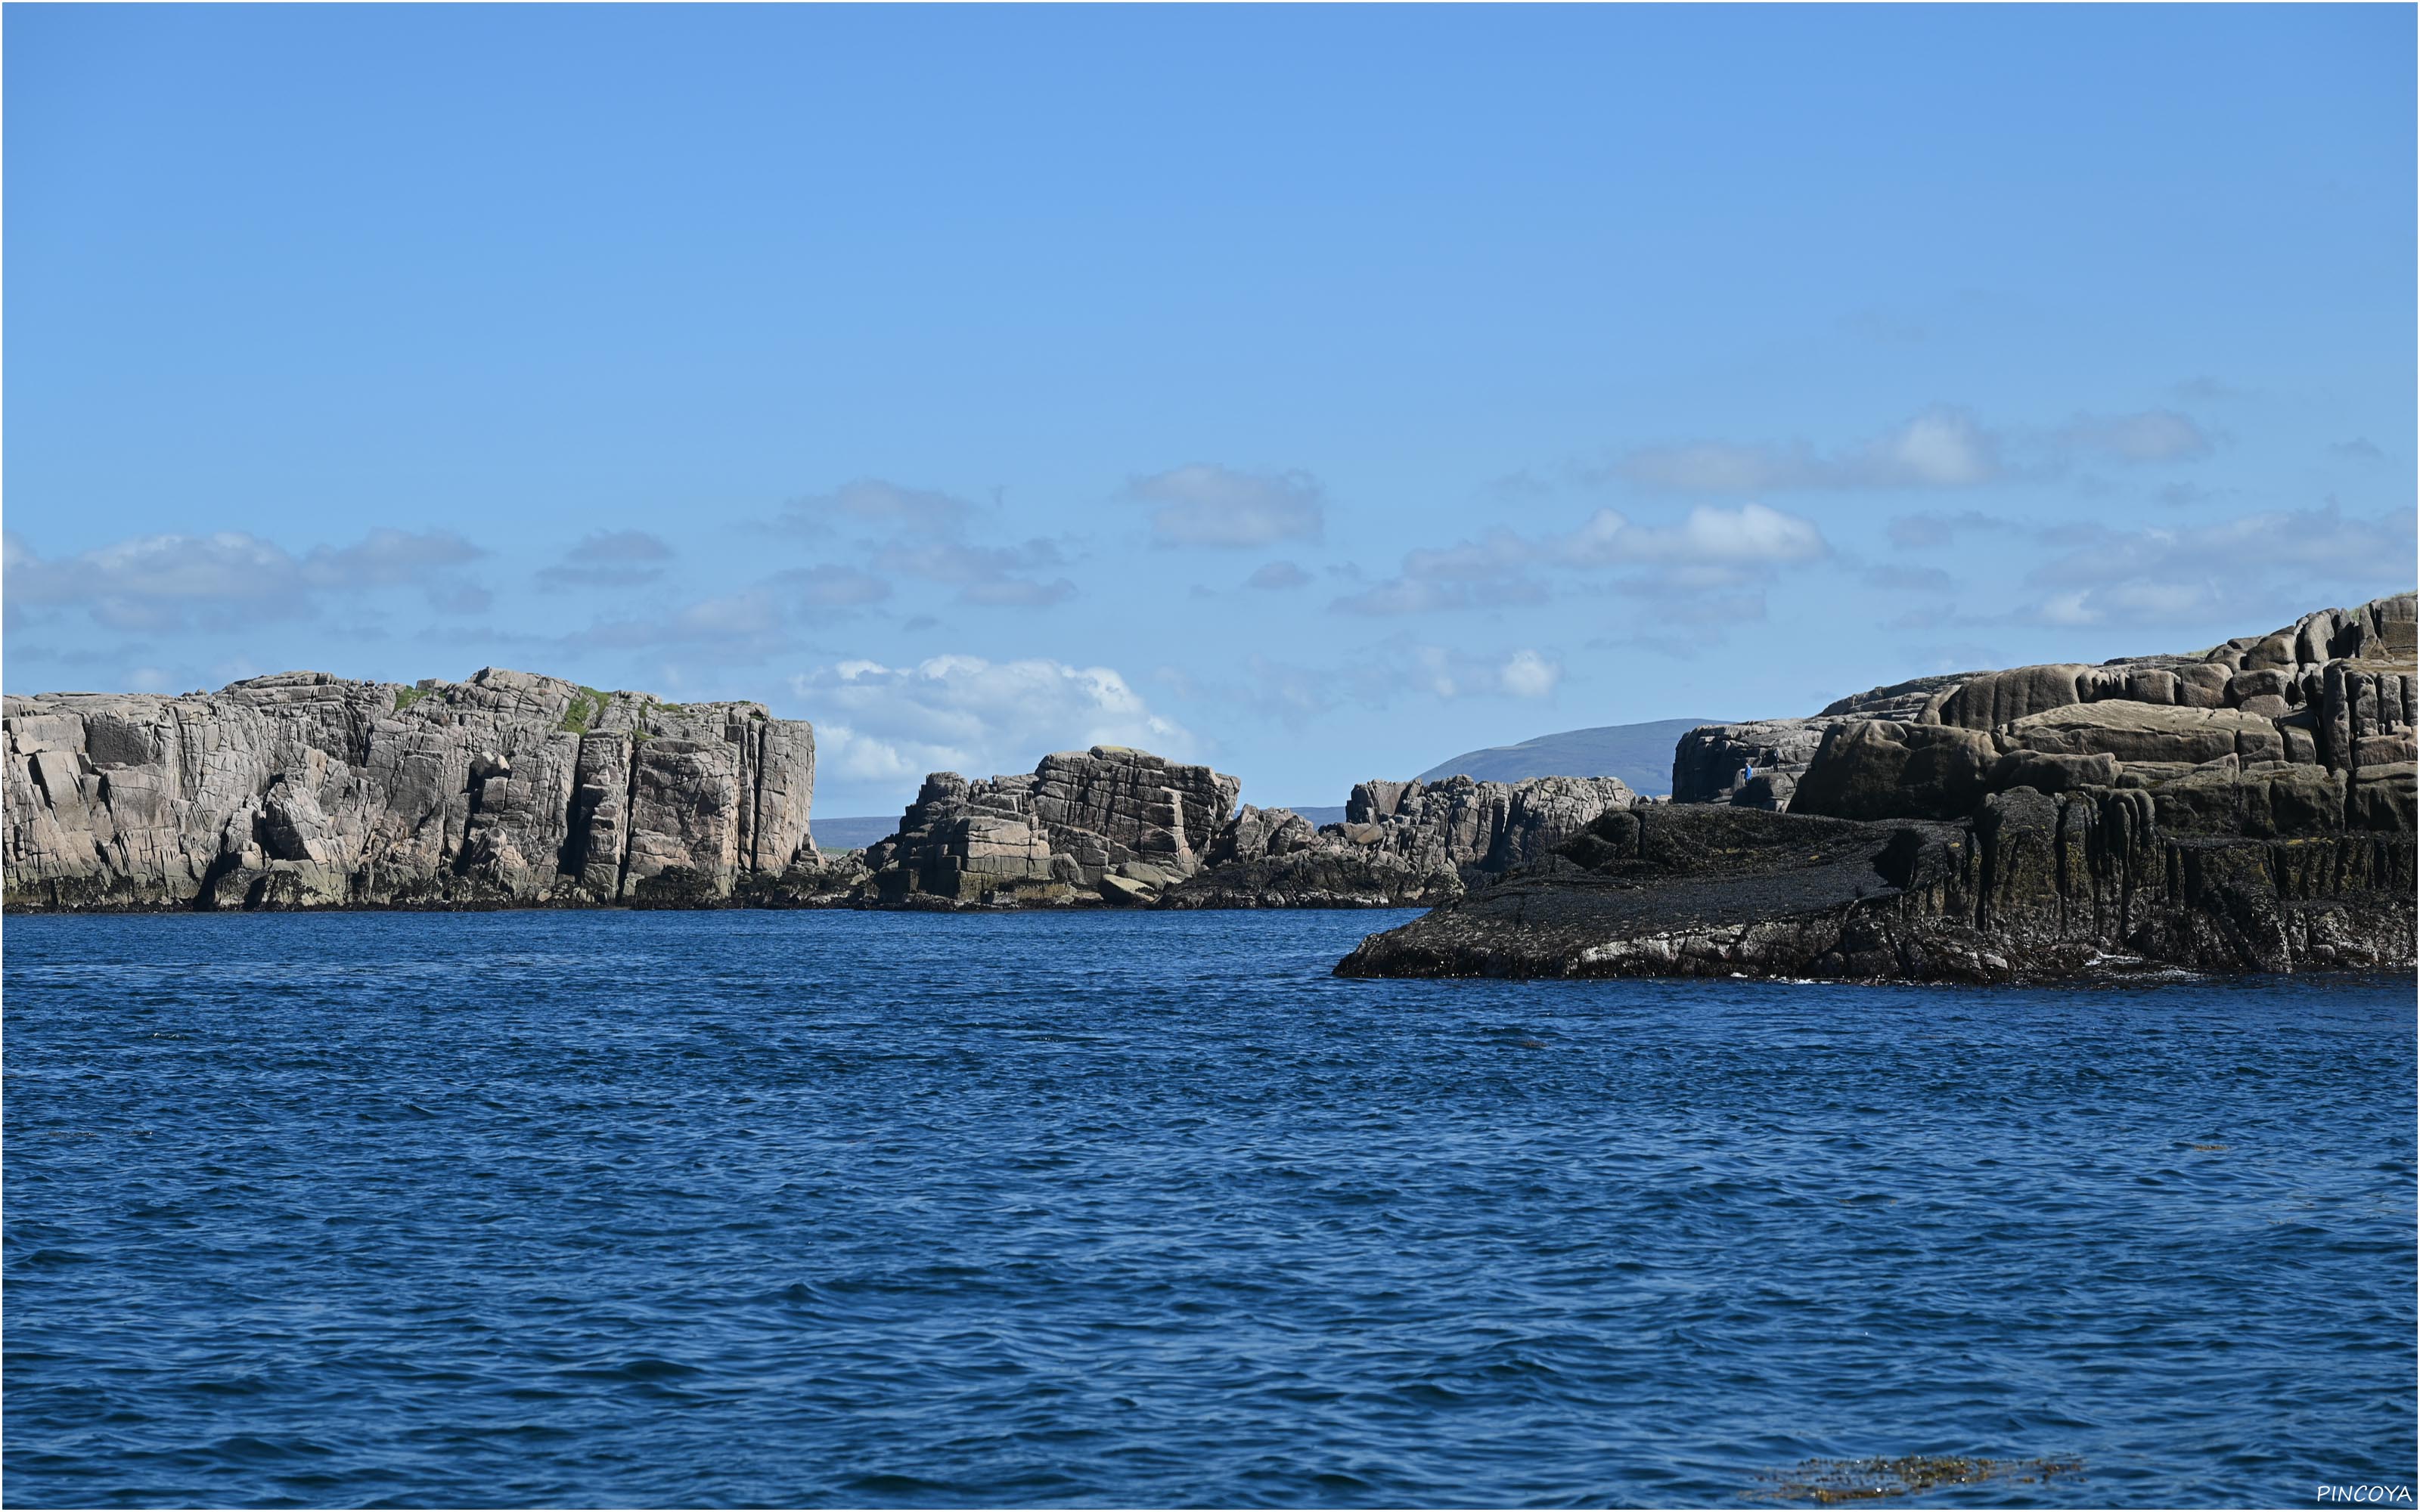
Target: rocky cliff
{"x": 303, "y": 789}
{"x": 2245, "y": 807}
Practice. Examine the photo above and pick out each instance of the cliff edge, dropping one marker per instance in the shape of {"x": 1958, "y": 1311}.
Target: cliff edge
{"x": 306, "y": 789}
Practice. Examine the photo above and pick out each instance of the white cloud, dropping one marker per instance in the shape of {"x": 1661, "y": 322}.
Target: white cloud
{"x": 1204, "y": 505}
{"x": 877, "y": 723}
{"x": 1456, "y": 674}
{"x": 1750, "y": 536}
{"x": 1530, "y": 675}
{"x": 1278, "y": 575}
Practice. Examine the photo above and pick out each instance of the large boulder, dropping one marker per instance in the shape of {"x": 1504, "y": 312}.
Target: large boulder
{"x": 1992, "y": 700}
{"x": 1883, "y": 769}
{"x": 2147, "y": 732}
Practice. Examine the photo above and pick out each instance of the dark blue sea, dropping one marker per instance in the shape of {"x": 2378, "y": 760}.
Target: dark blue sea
{"x": 852, "y": 1209}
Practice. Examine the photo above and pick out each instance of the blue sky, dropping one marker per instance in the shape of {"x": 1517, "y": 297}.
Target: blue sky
{"x": 1315, "y": 393}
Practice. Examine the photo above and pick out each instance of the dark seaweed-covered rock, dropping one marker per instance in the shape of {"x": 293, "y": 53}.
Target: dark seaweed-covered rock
{"x": 2036, "y": 887}
{"x": 1333, "y": 876}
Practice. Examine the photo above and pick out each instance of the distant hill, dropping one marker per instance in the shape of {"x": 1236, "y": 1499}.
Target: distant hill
{"x": 1640, "y": 754}
{"x": 1320, "y": 814}
{"x": 852, "y": 834}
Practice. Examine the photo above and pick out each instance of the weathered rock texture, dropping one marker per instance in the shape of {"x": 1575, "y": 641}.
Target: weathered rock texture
{"x": 1707, "y": 762}
{"x": 1108, "y": 823}
{"x": 2245, "y": 809}
{"x": 306, "y": 790}
{"x": 1126, "y": 826}
{"x": 2034, "y": 888}
{"x": 2331, "y": 691}
{"x": 1403, "y": 844}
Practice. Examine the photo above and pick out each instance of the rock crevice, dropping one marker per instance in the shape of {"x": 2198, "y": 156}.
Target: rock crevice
{"x": 306, "y": 789}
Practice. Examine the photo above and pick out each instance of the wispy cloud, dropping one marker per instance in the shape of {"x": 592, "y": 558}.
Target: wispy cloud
{"x": 1708, "y": 547}
{"x": 873, "y": 504}
{"x": 2208, "y": 572}
{"x": 610, "y": 558}
{"x": 1931, "y": 531}
{"x": 1941, "y": 448}
{"x": 1206, "y": 505}
{"x": 926, "y": 535}
{"x": 162, "y": 583}
{"x": 2151, "y": 436}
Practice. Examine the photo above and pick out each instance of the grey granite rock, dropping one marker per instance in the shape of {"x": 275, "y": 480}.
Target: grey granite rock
{"x": 1708, "y": 761}
{"x": 1105, "y": 824}
{"x": 306, "y": 789}
{"x": 2152, "y": 718}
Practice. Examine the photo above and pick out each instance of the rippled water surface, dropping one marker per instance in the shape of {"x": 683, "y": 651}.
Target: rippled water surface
{"x": 874, "y": 1208}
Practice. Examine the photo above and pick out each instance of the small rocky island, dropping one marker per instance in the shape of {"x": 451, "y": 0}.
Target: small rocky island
{"x": 2249, "y": 807}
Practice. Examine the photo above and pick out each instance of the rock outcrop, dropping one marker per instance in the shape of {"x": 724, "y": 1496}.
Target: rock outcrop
{"x": 1109, "y": 823}
{"x": 306, "y": 789}
{"x": 1128, "y": 827}
{"x": 2034, "y": 888}
{"x": 2249, "y": 808}
{"x": 1402, "y": 845}
{"x": 2142, "y": 722}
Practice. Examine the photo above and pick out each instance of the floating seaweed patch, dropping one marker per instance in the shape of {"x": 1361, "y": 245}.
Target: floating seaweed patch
{"x": 1828, "y": 1482}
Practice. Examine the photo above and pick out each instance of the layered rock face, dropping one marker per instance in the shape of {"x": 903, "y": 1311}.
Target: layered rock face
{"x": 303, "y": 789}
{"x": 2334, "y": 691}
{"x": 2246, "y": 808}
{"x": 1108, "y": 822}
